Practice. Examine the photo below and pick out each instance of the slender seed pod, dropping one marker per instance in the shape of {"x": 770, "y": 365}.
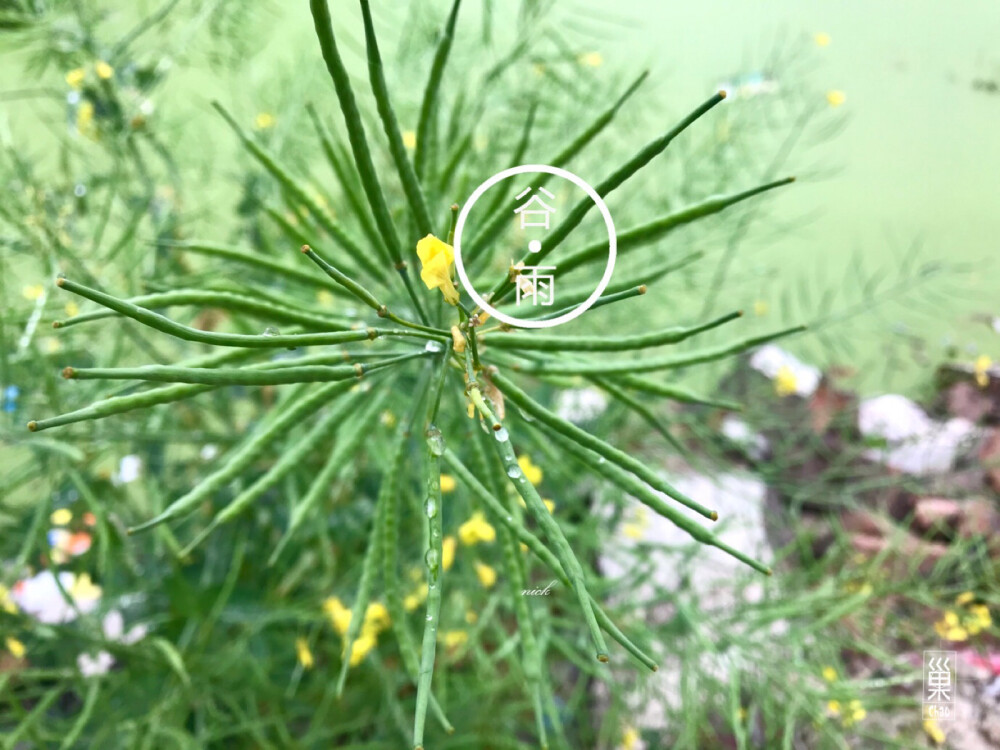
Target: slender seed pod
{"x": 338, "y": 461}
{"x": 432, "y": 559}
{"x": 407, "y": 176}
{"x": 603, "y": 343}
{"x": 642, "y": 410}
{"x": 264, "y": 341}
{"x": 220, "y": 299}
{"x": 614, "y": 180}
{"x": 300, "y": 236}
{"x": 359, "y": 145}
{"x": 544, "y": 519}
{"x": 636, "y": 488}
{"x": 538, "y": 547}
{"x": 423, "y": 154}
{"x": 294, "y": 188}
{"x": 575, "y": 146}
{"x": 604, "y": 299}
{"x": 672, "y": 392}
{"x": 338, "y": 163}
{"x": 237, "y": 462}
{"x": 654, "y": 230}
{"x": 609, "y": 452}
{"x": 341, "y": 278}
{"x": 652, "y": 364}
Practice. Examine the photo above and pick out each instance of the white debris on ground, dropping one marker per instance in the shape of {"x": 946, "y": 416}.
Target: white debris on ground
{"x": 772, "y": 361}
{"x": 915, "y": 443}
{"x": 129, "y": 469}
{"x": 755, "y": 444}
{"x": 581, "y": 404}
{"x": 40, "y": 596}
{"x": 705, "y": 578}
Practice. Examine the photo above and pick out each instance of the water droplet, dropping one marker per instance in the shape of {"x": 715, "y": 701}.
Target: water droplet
{"x": 433, "y": 346}
{"x": 79, "y": 190}
{"x": 431, "y": 507}
{"x": 430, "y": 618}
{"x": 602, "y": 460}
{"x": 510, "y": 519}
{"x": 434, "y": 441}
{"x": 431, "y": 558}
{"x": 514, "y": 472}
{"x": 502, "y": 435}
{"x": 271, "y": 331}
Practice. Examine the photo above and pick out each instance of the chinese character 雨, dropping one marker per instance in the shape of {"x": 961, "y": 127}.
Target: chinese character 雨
{"x": 534, "y": 217}
{"x": 539, "y": 287}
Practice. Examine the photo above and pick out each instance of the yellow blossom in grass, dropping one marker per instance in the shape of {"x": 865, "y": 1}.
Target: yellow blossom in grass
{"x": 476, "y": 529}
{"x": 264, "y": 121}
{"x": 835, "y": 98}
{"x": 74, "y": 79}
{"x": 324, "y": 297}
{"x": 760, "y": 307}
{"x": 785, "y": 382}
{"x": 340, "y": 616}
{"x": 981, "y": 369}
{"x": 829, "y": 674}
{"x": 487, "y": 576}
{"x": 965, "y": 598}
{"x": 61, "y": 517}
{"x": 387, "y": 419}
{"x": 633, "y": 530}
{"x": 934, "y": 731}
{"x": 979, "y": 618}
{"x": 531, "y": 472}
{"x": 83, "y": 589}
{"x": 822, "y": 39}
{"x": 303, "y": 653}
{"x": 85, "y": 119}
{"x": 833, "y": 707}
{"x": 437, "y": 260}
{"x": 409, "y": 139}
{"x": 364, "y": 643}
{"x": 454, "y": 638}
{"x": 6, "y": 601}
{"x": 855, "y": 712}
{"x": 415, "y": 599}
{"x": 447, "y": 552}
{"x": 471, "y": 617}
{"x": 32, "y": 292}
{"x": 591, "y": 59}
{"x": 447, "y": 483}
{"x": 376, "y": 618}
{"x": 524, "y": 547}
{"x": 103, "y": 70}
{"x": 72, "y": 309}
{"x": 550, "y": 506}
{"x": 950, "y": 628}
{"x": 16, "y": 648}
{"x": 630, "y": 738}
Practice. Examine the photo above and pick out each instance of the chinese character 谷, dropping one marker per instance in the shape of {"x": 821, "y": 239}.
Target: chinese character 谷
{"x": 534, "y": 217}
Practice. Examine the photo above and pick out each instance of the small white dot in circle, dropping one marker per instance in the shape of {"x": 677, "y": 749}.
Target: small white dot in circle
{"x": 535, "y": 246}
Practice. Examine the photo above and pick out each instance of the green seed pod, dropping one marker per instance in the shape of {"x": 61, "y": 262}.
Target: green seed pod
{"x": 423, "y": 156}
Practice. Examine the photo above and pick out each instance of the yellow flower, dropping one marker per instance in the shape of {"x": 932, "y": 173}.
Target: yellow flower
{"x": 61, "y": 517}
{"x": 950, "y": 628}
{"x": 388, "y": 419}
{"x": 981, "y": 368}
{"x": 415, "y": 599}
{"x": 524, "y": 547}
{"x": 934, "y": 731}
{"x": 85, "y": 118}
{"x": 855, "y": 712}
{"x": 52, "y": 344}
{"x": 835, "y": 98}
{"x": 630, "y": 738}
{"x": 72, "y": 309}
{"x": 833, "y": 707}
{"x": 264, "y": 121}
{"x": 822, "y": 39}
{"x": 324, "y": 298}
{"x": 549, "y": 505}
{"x": 364, "y": 643}
{"x": 16, "y": 648}
{"x": 471, "y": 617}
{"x": 447, "y": 552}
{"x": 83, "y": 589}
{"x": 33, "y": 292}
{"x": 340, "y": 616}
{"x": 531, "y": 472}
{"x": 760, "y": 307}
{"x": 303, "y": 653}
{"x": 829, "y": 674}
{"x": 633, "y": 530}
{"x": 785, "y": 382}
{"x": 103, "y": 70}
{"x": 376, "y": 618}
{"x": 409, "y": 139}
{"x": 980, "y": 619}
{"x": 476, "y": 529}
{"x": 454, "y": 638}
{"x": 487, "y": 576}
{"x": 437, "y": 259}
{"x": 74, "y": 79}
{"x": 447, "y": 483}
{"x": 457, "y": 340}
{"x": 965, "y": 598}
{"x": 591, "y": 59}
{"x": 6, "y": 601}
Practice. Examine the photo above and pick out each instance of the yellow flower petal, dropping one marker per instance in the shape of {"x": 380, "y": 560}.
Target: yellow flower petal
{"x": 340, "y": 616}
{"x": 437, "y": 260}
{"x": 376, "y": 617}
{"x": 591, "y": 59}
{"x": 409, "y": 139}
{"x": 785, "y": 382}
{"x": 264, "y": 121}
{"x": 447, "y": 483}
{"x": 487, "y": 576}
{"x": 471, "y": 617}
{"x": 531, "y": 472}
{"x": 454, "y": 638}
{"x": 829, "y": 674}
{"x": 934, "y": 731}
{"x": 303, "y": 653}
{"x": 103, "y": 70}
{"x": 835, "y": 98}
{"x": 476, "y": 529}
{"x": 447, "y": 552}
{"x": 74, "y": 78}
{"x": 760, "y": 307}
{"x": 963, "y": 599}
{"x": 630, "y": 738}
{"x": 16, "y": 648}
{"x": 61, "y": 517}
{"x": 72, "y": 309}
{"x": 364, "y": 643}
{"x": 33, "y": 292}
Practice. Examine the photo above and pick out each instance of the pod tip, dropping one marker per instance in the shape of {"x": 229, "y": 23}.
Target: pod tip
{"x": 32, "y": 426}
